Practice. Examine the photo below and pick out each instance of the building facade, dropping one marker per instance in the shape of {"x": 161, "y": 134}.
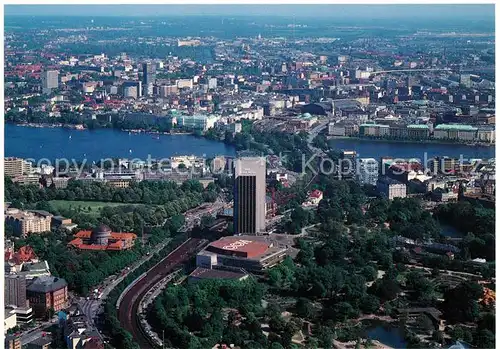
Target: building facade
{"x": 16, "y": 167}
{"x": 455, "y": 132}
{"x": 25, "y": 222}
{"x": 47, "y": 292}
{"x": 250, "y": 195}
{"x": 15, "y": 290}
{"x": 50, "y": 80}
{"x": 390, "y": 188}
{"x": 148, "y": 78}
{"x": 418, "y": 131}
{"x": 367, "y": 171}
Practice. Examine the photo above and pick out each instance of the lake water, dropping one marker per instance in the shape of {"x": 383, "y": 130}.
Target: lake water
{"x": 377, "y": 149}
{"x": 52, "y": 143}
{"x": 58, "y": 143}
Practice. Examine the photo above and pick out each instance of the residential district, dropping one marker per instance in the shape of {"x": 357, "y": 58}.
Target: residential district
{"x": 254, "y": 250}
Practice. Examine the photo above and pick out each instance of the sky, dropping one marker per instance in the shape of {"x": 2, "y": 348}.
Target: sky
{"x": 333, "y": 11}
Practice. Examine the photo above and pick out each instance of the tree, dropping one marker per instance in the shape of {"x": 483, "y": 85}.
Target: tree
{"x": 386, "y": 288}
{"x": 276, "y": 345}
{"x": 325, "y": 337}
{"x": 485, "y": 339}
{"x": 425, "y": 323}
{"x": 369, "y": 272}
{"x": 304, "y": 308}
{"x": 369, "y": 304}
{"x": 460, "y": 303}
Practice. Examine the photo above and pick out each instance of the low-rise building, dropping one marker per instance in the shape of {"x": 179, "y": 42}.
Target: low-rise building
{"x": 79, "y": 334}
{"x": 441, "y": 195}
{"x": 24, "y": 315}
{"x": 315, "y": 197}
{"x": 197, "y": 122}
{"x": 43, "y": 342}
{"x": 62, "y": 222}
{"x": 459, "y": 132}
{"x": 46, "y": 293}
{"x": 418, "y": 131}
{"x": 9, "y": 320}
{"x": 58, "y": 182}
{"x": 31, "y": 179}
{"x": 252, "y": 253}
{"x": 486, "y": 134}
{"x": 12, "y": 342}
{"x": 374, "y": 130}
{"x": 390, "y": 188}
{"x": 102, "y": 238}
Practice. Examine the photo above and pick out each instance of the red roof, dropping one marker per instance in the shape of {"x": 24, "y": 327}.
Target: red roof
{"x": 116, "y": 241}
{"x": 25, "y": 254}
{"x": 316, "y": 194}
{"x": 85, "y": 234}
{"x": 239, "y": 246}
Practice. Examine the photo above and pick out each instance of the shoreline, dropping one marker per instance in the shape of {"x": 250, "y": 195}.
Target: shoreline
{"x": 475, "y": 145}
{"x": 81, "y": 127}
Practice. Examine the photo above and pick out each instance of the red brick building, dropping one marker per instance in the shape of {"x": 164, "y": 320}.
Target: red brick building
{"x": 47, "y": 292}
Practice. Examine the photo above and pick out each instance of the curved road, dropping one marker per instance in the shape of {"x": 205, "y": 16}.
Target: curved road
{"x": 127, "y": 312}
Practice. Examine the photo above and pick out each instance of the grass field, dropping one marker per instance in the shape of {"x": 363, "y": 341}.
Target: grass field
{"x": 88, "y": 207}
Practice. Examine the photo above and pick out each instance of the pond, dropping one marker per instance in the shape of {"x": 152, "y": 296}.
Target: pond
{"x": 387, "y": 334}
{"x": 450, "y": 231}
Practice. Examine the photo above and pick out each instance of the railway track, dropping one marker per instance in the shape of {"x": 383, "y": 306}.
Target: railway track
{"x": 127, "y": 312}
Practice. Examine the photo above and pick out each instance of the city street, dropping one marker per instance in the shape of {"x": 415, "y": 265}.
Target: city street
{"x": 35, "y": 333}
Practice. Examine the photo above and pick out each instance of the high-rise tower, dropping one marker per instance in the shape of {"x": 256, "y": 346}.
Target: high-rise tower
{"x": 250, "y": 195}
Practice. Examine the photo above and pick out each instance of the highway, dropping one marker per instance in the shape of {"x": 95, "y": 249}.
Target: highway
{"x": 91, "y": 306}
{"x": 127, "y": 312}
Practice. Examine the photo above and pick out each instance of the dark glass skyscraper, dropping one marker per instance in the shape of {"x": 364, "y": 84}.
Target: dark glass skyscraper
{"x": 250, "y": 195}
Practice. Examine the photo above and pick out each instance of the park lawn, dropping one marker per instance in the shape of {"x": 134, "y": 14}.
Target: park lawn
{"x": 95, "y": 206}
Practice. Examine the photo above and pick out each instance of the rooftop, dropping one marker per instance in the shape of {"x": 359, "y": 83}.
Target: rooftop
{"x": 374, "y": 125}
{"x": 458, "y": 127}
{"x": 243, "y": 246}
{"x": 204, "y": 273}
{"x": 44, "y": 284}
{"x": 419, "y": 126}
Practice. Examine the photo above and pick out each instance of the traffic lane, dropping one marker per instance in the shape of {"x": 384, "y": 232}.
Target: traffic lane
{"x": 128, "y": 308}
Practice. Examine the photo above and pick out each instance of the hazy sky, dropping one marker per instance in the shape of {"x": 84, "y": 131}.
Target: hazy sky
{"x": 334, "y": 11}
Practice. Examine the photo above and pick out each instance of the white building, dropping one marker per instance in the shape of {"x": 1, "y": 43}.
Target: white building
{"x": 130, "y": 92}
{"x": 185, "y": 83}
{"x": 367, "y": 171}
{"x": 390, "y": 188}
{"x": 212, "y": 83}
{"x": 455, "y": 132}
{"x": 486, "y": 135}
{"x": 197, "y": 122}
{"x": 10, "y": 320}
